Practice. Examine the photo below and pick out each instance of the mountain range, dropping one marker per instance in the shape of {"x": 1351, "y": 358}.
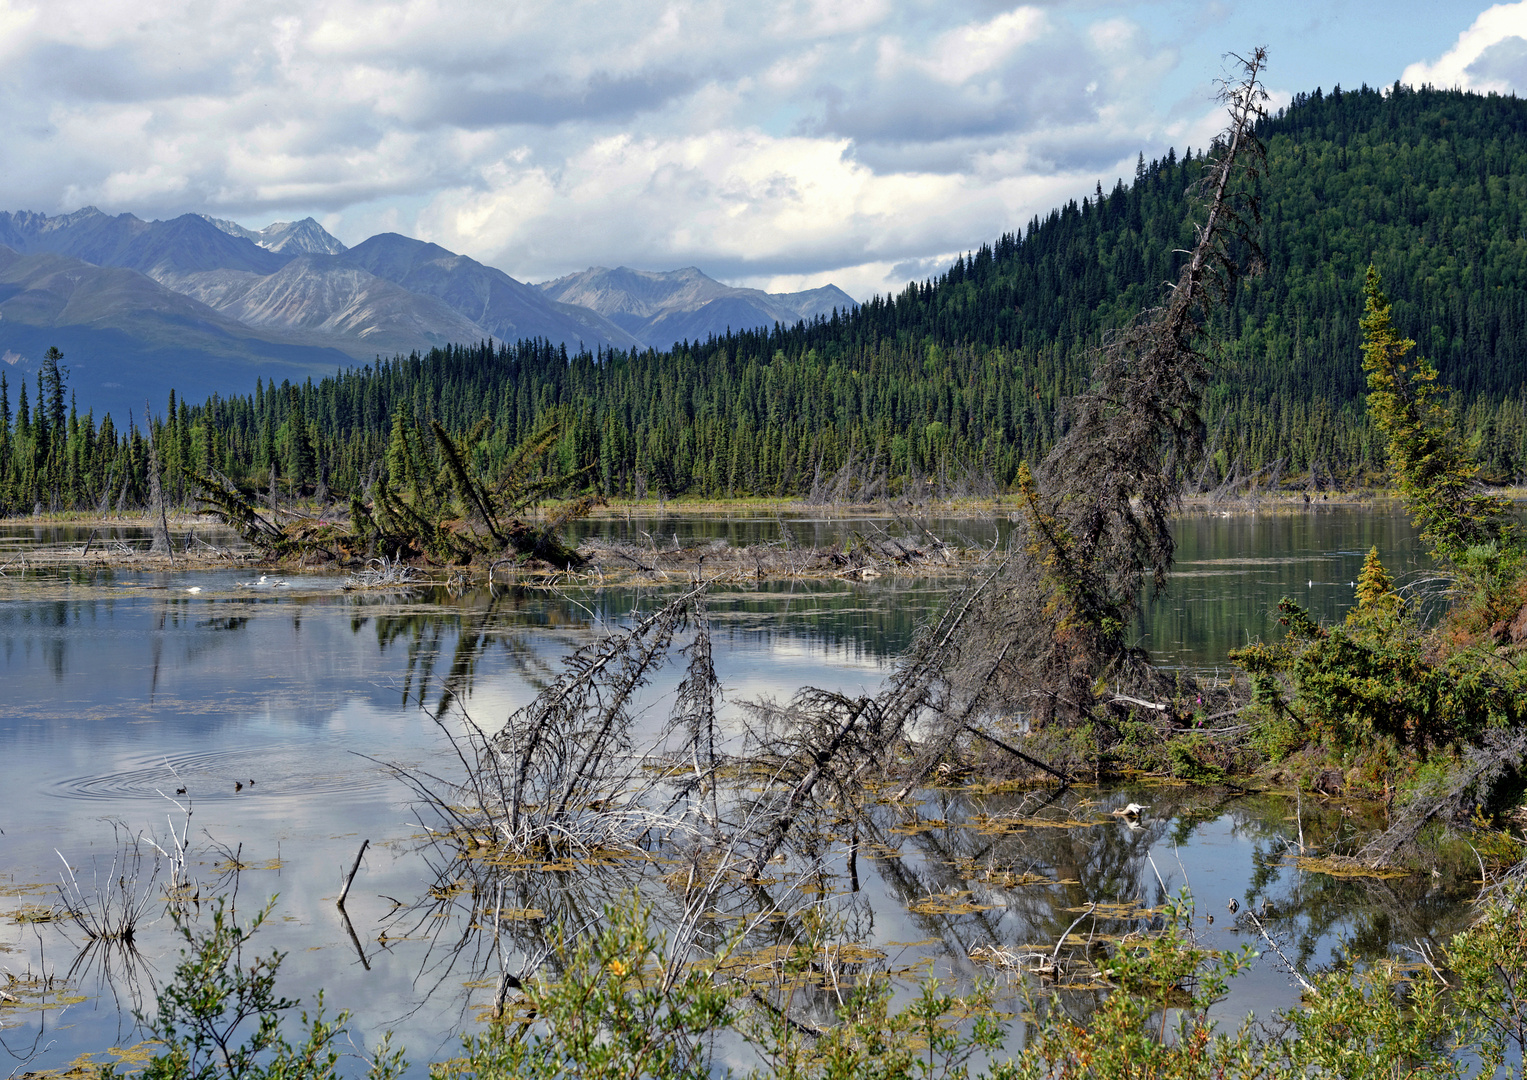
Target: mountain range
{"x": 204, "y": 305}
{"x": 660, "y": 309}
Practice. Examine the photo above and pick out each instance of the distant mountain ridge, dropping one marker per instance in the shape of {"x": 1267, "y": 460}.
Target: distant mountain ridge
{"x": 661, "y": 308}
{"x": 226, "y": 303}
{"x": 126, "y": 338}
{"x": 305, "y": 236}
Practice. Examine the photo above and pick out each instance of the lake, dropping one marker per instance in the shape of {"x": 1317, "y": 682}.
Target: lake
{"x": 279, "y": 718}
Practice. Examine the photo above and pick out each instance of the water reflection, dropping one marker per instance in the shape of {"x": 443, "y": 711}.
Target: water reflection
{"x": 274, "y": 713}
{"x": 959, "y": 874}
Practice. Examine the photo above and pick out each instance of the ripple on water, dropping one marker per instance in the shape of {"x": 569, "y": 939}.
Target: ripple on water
{"x": 231, "y": 773}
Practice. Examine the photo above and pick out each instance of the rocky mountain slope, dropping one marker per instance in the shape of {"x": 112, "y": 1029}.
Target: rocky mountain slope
{"x": 305, "y": 236}
{"x": 126, "y": 338}
{"x": 132, "y": 301}
{"x": 661, "y": 308}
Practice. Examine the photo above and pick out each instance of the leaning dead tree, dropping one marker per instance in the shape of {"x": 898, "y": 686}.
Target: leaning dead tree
{"x": 570, "y": 773}
{"x": 1095, "y": 532}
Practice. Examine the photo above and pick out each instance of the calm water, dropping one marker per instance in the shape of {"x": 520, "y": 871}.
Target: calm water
{"x": 280, "y": 712}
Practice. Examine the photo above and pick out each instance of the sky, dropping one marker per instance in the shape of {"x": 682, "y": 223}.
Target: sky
{"x": 780, "y": 144}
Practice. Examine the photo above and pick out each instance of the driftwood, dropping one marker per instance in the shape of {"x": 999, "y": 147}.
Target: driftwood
{"x": 1502, "y": 752}
{"x": 855, "y": 711}
{"x": 350, "y": 878}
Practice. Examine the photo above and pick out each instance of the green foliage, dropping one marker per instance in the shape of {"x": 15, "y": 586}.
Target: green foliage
{"x": 220, "y": 1018}
{"x": 936, "y": 1037}
{"x": 1432, "y": 466}
{"x": 615, "y": 1011}
{"x": 1372, "y": 1025}
{"x": 1378, "y": 1023}
{"x": 621, "y": 1008}
{"x": 1380, "y": 688}
{"x": 1377, "y": 684}
{"x": 422, "y": 507}
{"x": 1274, "y": 734}
{"x": 1375, "y": 588}
{"x": 611, "y": 1013}
{"x": 1156, "y": 1023}
{"x": 1488, "y": 588}
{"x": 1489, "y": 965}
{"x": 1190, "y": 757}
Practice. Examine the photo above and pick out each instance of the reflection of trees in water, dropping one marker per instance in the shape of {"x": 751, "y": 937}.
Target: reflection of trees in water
{"x": 448, "y": 638}
{"x": 525, "y": 837}
{"x": 1033, "y": 880}
{"x": 1367, "y": 918}
{"x": 476, "y": 916}
{"x": 53, "y": 628}
{"x": 877, "y": 621}
{"x": 1020, "y": 884}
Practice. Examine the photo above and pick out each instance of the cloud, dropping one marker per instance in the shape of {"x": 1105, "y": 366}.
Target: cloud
{"x": 1491, "y": 55}
{"x": 768, "y": 140}
{"x": 791, "y": 211}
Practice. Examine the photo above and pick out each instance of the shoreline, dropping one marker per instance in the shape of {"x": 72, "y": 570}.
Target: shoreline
{"x": 1283, "y": 501}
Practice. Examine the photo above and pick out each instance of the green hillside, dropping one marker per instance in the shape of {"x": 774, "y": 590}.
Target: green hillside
{"x": 952, "y": 383}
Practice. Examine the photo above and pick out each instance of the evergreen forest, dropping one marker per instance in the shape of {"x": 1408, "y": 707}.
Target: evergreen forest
{"x": 951, "y": 385}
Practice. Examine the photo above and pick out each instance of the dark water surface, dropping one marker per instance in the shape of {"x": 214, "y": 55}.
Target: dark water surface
{"x": 280, "y": 711}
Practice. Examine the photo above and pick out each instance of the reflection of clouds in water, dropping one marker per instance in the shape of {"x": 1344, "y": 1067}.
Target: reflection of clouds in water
{"x": 315, "y": 827}
{"x": 751, "y": 667}
{"x": 833, "y": 654}
{"x": 493, "y": 700}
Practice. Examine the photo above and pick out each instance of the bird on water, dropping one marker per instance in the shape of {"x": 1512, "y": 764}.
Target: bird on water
{"x": 1234, "y": 905}
{"x": 1132, "y": 810}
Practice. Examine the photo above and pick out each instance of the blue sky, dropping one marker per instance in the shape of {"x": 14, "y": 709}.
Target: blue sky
{"x": 775, "y": 143}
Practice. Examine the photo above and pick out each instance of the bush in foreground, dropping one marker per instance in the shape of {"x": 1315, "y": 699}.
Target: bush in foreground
{"x": 622, "y": 1008}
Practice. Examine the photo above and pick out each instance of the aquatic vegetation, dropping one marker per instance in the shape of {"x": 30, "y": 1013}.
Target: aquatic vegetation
{"x": 115, "y": 901}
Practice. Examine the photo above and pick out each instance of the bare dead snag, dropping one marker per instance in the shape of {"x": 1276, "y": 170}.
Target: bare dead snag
{"x": 1502, "y": 752}
{"x": 1096, "y": 514}
{"x": 161, "y": 544}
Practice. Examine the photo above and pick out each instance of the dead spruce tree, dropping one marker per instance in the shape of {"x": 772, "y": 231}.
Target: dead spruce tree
{"x": 161, "y": 544}
{"x": 569, "y": 772}
{"x": 1049, "y": 636}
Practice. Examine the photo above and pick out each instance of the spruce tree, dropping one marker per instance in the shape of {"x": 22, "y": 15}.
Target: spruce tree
{"x": 1433, "y": 470}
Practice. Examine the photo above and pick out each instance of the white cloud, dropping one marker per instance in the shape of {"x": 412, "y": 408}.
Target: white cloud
{"x": 967, "y": 51}
{"x": 1490, "y": 55}
{"x": 779, "y": 212}
{"x": 787, "y": 141}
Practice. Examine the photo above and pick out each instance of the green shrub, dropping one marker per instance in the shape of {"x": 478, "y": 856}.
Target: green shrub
{"x": 613, "y": 1012}
{"x": 620, "y": 1008}
{"x": 219, "y": 1017}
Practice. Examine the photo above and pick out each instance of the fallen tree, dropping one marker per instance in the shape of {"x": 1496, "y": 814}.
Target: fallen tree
{"x": 430, "y": 504}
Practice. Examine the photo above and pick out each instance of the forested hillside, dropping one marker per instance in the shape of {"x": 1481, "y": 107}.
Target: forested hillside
{"x": 955, "y": 381}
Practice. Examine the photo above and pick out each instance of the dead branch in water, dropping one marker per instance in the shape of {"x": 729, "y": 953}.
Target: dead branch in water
{"x": 1502, "y": 752}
